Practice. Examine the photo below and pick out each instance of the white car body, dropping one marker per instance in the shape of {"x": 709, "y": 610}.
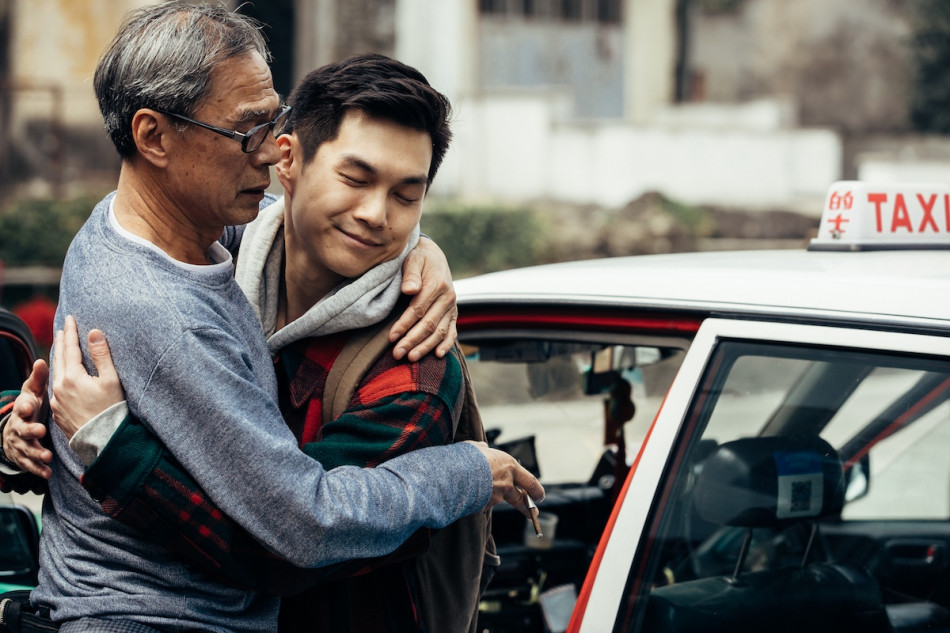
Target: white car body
{"x": 883, "y": 291}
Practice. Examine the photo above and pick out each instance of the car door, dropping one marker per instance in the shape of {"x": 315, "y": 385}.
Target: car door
{"x": 794, "y": 479}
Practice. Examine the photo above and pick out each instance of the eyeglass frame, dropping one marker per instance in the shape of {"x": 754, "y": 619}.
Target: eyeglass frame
{"x": 241, "y": 137}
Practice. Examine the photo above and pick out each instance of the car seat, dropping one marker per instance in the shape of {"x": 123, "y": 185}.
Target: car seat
{"x": 773, "y": 482}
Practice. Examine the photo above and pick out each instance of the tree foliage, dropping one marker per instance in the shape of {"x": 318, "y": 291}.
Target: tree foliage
{"x": 38, "y": 232}
{"x": 479, "y": 239}
{"x": 930, "y": 46}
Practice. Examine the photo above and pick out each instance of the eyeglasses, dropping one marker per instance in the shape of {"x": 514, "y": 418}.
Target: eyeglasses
{"x": 250, "y": 140}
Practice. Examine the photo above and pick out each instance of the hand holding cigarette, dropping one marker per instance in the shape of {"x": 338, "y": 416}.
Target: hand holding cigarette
{"x": 511, "y": 482}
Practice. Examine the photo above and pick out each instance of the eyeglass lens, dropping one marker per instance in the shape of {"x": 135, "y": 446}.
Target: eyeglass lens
{"x": 256, "y": 135}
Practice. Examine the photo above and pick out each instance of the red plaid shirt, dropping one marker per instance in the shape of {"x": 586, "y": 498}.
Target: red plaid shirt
{"x": 398, "y": 407}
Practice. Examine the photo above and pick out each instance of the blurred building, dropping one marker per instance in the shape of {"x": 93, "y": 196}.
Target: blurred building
{"x": 747, "y": 103}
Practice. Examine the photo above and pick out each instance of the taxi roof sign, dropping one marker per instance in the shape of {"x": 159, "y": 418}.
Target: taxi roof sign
{"x": 871, "y": 216}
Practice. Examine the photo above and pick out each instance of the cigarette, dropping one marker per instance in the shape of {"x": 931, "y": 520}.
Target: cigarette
{"x": 533, "y": 511}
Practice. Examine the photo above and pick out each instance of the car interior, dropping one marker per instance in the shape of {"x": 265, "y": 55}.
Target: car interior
{"x": 570, "y": 408}
{"x": 742, "y": 485}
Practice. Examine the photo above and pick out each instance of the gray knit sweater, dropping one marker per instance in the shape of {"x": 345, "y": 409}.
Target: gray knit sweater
{"x": 196, "y": 369}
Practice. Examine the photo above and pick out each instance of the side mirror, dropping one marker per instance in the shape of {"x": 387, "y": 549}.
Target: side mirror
{"x": 19, "y": 546}
{"x": 858, "y": 479}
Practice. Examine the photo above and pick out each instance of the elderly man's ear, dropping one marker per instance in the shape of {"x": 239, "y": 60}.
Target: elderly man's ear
{"x": 152, "y": 134}
{"x": 288, "y": 167}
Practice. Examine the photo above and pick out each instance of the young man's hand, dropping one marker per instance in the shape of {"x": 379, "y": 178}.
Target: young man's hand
{"x": 77, "y": 396}
{"x": 429, "y": 322}
{"x": 25, "y": 428}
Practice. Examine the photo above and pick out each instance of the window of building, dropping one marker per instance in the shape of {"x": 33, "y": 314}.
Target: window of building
{"x": 608, "y": 11}
{"x": 605, "y": 11}
{"x": 493, "y": 6}
{"x": 572, "y": 10}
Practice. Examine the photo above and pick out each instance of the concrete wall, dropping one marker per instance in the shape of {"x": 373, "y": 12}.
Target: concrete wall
{"x": 55, "y": 134}
{"x": 650, "y": 61}
{"x": 330, "y": 30}
{"x": 58, "y": 43}
{"x": 901, "y": 158}
{"x": 600, "y": 128}
{"x": 846, "y": 63}
{"x": 439, "y": 37}
{"x": 520, "y": 146}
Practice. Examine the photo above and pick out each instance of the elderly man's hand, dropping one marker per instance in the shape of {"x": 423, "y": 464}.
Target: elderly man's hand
{"x": 429, "y": 321}
{"x": 510, "y": 480}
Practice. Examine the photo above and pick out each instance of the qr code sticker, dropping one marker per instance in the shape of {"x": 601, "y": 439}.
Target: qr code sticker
{"x": 801, "y": 497}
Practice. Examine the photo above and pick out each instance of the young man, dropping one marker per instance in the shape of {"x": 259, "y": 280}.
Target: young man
{"x": 147, "y": 268}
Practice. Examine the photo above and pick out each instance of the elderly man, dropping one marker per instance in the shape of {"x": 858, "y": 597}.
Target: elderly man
{"x": 321, "y": 267}
{"x": 148, "y": 269}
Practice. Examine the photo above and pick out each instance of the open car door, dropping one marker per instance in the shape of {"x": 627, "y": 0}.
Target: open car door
{"x": 796, "y": 479}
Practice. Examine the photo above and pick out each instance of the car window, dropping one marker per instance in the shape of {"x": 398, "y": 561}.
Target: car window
{"x": 14, "y": 545}
{"x": 11, "y": 366}
{"x": 807, "y": 475}
{"x": 573, "y": 407}
{"x": 756, "y": 385}
{"x": 909, "y": 473}
{"x": 548, "y": 399}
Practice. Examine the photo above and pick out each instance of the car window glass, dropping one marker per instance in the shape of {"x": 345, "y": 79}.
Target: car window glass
{"x": 881, "y": 387}
{"x": 756, "y": 385}
{"x": 573, "y": 408}
{"x": 555, "y": 394}
{"x": 11, "y": 371}
{"x": 910, "y": 473}
{"x": 15, "y": 553}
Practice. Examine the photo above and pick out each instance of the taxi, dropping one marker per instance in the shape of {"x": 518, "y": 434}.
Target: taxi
{"x": 748, "y": 441}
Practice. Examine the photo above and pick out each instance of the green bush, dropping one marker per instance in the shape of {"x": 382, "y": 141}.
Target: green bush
{"x": 930, "y": 51}
{"x": 480, "y": 239}
{"x": 38, "y": 232}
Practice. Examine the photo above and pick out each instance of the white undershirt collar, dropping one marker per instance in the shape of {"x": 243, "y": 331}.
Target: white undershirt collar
{"x": 219, "y": 256}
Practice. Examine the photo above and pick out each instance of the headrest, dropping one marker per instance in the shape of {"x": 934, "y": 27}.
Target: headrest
{"x": 769, "y": 481}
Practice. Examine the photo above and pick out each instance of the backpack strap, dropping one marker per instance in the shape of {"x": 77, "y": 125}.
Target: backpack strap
{"x": 462, "y": 557}
{"x": 17, "y": 615}
{"x": 358, "y": 355}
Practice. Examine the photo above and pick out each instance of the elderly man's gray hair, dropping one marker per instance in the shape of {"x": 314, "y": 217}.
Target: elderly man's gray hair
{"x": 162, "y": 58}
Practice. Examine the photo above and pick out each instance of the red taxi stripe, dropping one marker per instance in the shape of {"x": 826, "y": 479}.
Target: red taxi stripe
{"x": 653, "y": 323}
{"x": 581, "y": 605}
